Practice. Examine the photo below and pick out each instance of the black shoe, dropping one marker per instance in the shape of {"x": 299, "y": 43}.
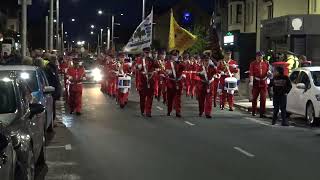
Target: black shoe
{"x": 71, "y": 112}
{"x": 208, "y": 117}
{"x": 254, "y": 114}
{"x": 142, "y": 114}
{"x": 149, "y": 115}
{"x": 215, "y": 105}
{"x": 222, "y": 108}
{"x": 178, "y": 115}
{"x": 273, "y": 123}
{"x": 231, "y": 109}
{"x": 285, "y": 124}
{"x": 168, "y": 114}
{"x": 263, "y": 116}
{"x": 78, "y": 113}
{"x": 200, "y": 114}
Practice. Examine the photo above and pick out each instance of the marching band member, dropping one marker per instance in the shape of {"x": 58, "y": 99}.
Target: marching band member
{"x": 206, "y": 74}
{"x": 124, "y": 69}
{"x": 259, "y": 70}
{"x": 188, "y": 74}
{"x": 76, "y": 75}
{"x": 226, "y": 67}
{"x": 174, "y": 70}
{"x": 147, "y": 68}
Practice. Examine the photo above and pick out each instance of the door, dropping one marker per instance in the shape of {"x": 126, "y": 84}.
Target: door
{"x": 303, "y": 94}
{"x": 6, "y": 158}
{"x": 48, "y": 99}
{"x": 291, "y": 101}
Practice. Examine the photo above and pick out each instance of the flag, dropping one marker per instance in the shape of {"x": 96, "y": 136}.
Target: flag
{"x": 179, "y": 38}
{"x": 142, "y": 36}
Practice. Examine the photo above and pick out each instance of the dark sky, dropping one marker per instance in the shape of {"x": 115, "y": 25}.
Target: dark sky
{"x": 85, "y": 12}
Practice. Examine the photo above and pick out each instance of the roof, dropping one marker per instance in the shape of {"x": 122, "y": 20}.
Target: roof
{"x": 312, "y": 68}
{"x": 18, "y": 68}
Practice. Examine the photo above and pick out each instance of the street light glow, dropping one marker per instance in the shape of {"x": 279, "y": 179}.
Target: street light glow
{"x": 73, "y": 20}
{"x": 92, "y": 26}
{"x": 55, "y": 20}
{"x": 100, "y": 12}
{"x": 91, "y": 32}
{"x": 121, "y": 14}
{"x": 66, "y": 33}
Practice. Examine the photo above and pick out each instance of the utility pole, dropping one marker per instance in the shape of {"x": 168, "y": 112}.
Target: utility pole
{"x": 62, "y": 39}
{"x": 47, "y": 31}
{"x": 51, "y": 27}
{"x": 108, "y": 38}
{"x": 112, "y": 30}
{"x": 24, "y": 27}
{"x": 57, "y": 25}
{"x": 143, "y": 9}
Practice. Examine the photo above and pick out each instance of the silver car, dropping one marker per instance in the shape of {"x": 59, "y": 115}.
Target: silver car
{"x": 22, "y": 136}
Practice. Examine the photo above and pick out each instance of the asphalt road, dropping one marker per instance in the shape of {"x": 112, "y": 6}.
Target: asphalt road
{"x": 109, "y": 143}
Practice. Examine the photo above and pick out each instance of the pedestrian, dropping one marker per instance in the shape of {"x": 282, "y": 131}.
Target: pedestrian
{"x": 146, "y": 67}
{"x": 162, "y": 78}
{"x": 304, "y": 62}
{"x": 227, "y": 68}
{"x": 124, "y": 70}
{"x": 206, "y": 88}
{"x": 281, "y": 87}
{"x": 174, "y": 69}
{"x": 259, "y": 70}
{"x": 76, "y": 75}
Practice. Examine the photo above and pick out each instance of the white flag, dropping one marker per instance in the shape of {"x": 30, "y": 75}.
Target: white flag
{"x": 142, "y": 36}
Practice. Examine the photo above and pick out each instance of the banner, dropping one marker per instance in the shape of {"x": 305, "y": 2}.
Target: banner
{"x": 179, "y": 38}
{"x": 142, "y": 36}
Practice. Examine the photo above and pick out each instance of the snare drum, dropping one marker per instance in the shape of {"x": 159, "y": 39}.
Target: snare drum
{"x": 231, "y": 84}
{"x": 124, "y": 82}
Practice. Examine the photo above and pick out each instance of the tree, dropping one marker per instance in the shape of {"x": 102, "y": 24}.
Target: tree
{"x": 201, "y": 43}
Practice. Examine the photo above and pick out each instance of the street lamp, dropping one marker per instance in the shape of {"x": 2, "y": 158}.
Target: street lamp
{"x": 91, "y": 32}
{"x": 73, "y": 20}
{"x": 121, "y": 14}
{"x": 100, "y": 12}
{"x": 54, "y": 20}
{"x": 92, "y": 26}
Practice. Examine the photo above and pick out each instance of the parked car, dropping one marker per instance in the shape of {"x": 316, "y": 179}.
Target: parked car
{"x": 38, "y": 83}
{"x": 304, "y": 97}
{"x": 22, "y": 137}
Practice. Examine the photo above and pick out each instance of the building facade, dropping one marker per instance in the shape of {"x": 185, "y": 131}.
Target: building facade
{"x": 264, "y": 19}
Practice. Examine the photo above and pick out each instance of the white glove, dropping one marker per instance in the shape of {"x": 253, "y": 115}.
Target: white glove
{"x": 222, "y": 73}
{"x": 251, "y": 83}
{"x": 234, "y": 66}
{"x": 139, "y": 66}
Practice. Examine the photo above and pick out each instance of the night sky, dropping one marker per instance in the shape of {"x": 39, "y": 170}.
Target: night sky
{"x": 85, "y": 12}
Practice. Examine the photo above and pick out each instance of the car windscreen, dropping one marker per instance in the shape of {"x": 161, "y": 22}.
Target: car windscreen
{"x": 7, "y": 98}
{"x": 316, "y": 77}
{"x": 29, "y": 76}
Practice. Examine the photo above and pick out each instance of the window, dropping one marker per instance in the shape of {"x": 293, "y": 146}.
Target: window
{"x": 316, "y": 77}
{"x": 304, "y": 78}
{"x": 270, "y": 12}
{"x": 239, "y": 14}
{"x": 7, "y": 98}
{"x": 252, "y": 11}
{"x": 294, "y": 76}
{"x": 314, "y": 5}
{"x": 230, "y": 15}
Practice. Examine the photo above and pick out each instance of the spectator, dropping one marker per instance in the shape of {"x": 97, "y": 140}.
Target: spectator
{"x": 27, "y": 61}
{"x": 281, "y": 87}
{"x": 304, "y": 62}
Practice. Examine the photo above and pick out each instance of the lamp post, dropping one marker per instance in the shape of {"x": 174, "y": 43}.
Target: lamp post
{"x": 51, "y": 27}
{"x": 24, "y": 27}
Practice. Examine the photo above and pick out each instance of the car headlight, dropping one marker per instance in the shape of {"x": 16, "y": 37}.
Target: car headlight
{"x": 318, "y": 97}
{"x": 96, "y": 74}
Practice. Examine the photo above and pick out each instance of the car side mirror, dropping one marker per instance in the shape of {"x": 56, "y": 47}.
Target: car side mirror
{"x": 4, "y": 142}
{"x": 48, "y": 89}
{"x": 301, "y": 86}
{"x": 36, "y": 109}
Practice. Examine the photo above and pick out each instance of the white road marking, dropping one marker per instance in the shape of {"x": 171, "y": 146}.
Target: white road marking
{"x": 66, "y": 147}
{"x": 243, "y": 152}
{"x": 159, "y": 108}
{"x": 257, "y": 121}
{"x": 189, "y": 123}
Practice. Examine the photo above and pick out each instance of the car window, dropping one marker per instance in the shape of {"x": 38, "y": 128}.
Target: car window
{"x": 25, "y": 94}
{"x": 316, "y": 77}
{"x": 7, "y": 98}
{"x": 304, "y": 78}
{"x": 30, "y": 77}
{"x": 294, "y": 76}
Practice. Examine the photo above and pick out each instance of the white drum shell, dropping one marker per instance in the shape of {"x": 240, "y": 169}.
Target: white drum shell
{"x": 124, "y": 82}
{"x": 231, "y": 84}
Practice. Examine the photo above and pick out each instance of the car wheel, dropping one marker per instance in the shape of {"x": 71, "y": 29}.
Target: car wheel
{"x": 310, "y": 115}
{"x": 26, "y": 171}
{"x": 42, "y": 157}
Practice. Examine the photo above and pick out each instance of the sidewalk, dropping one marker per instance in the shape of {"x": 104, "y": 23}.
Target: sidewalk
{"x": 245, "y": 105}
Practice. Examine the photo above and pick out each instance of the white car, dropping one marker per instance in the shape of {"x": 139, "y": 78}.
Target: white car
{"x": 304, "y": 97}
